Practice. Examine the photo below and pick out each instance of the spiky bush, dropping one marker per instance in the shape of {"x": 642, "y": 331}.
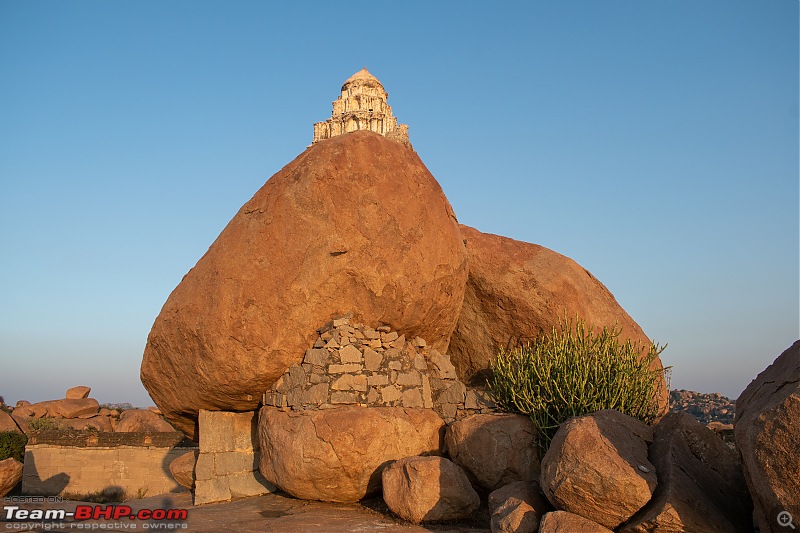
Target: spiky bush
{"x": 573, "y": 371}
{"x": 12, "y": 444}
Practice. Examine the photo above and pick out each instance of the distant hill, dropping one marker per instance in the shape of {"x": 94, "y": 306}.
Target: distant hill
{"x": 706, "y": 408}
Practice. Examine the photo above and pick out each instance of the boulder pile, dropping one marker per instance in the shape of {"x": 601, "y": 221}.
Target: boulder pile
{"x": 79, "y": 412}
{"x": 353, "y": 364}
{"x": 355, "y": 224}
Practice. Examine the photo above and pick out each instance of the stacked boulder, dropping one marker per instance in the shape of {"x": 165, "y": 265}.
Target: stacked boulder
{"x": 353, "y": 364}
{"x": 79, "y": 412}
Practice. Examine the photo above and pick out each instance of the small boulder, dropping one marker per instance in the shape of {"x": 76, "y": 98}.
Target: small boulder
{"x": 7, "y": 423}
{"x": 78, "y": 393}
{"x": 22, "y": 422}
{"x": 137, "y": 420}
{"x": 564, "y": 522}
{"x": 495, "y": 450}
{"x": 425, "y": 489}
{"x": 700, "y": 482}
{"x": 518, "y": 507}
{"x": 338, "y": 454}
{"x": 10, "y": 475}
{"x": 597, "y": 467}
{"x": 767, "y": 433}
{"x": 182, "y": 469}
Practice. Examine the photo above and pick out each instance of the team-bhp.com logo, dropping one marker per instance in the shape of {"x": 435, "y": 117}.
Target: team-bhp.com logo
{"x": 152, "y": 518}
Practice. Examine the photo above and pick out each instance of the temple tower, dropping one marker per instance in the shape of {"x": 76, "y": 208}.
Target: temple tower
{"x": 362, "y": 106}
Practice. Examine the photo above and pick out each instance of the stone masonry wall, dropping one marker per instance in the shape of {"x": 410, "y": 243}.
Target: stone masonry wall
{"x": 227, "y": 466}
{"x": 94, "y": 462}
{"x": 357, "y": 364}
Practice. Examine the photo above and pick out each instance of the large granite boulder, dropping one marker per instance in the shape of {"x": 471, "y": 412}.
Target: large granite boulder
{"x": 516, "y": 291}
{"x": 494, "y": 449}
{"x": 597, "y": 467}
{"x": 10, "y": 475}
{"x": 428, "y": 489}
{"x": 700, "y": 482}
{"x": 338, "y": 454}
{"x": 78, "y": 393}
{"x": 767, "y": 433}
{"x": 183, "y": 467}
{"x": 66, "y": 408}
{"x": 355, "y": 224}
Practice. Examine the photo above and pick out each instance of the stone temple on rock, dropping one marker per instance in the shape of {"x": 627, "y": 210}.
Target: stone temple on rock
{"x": 362, "y": 106}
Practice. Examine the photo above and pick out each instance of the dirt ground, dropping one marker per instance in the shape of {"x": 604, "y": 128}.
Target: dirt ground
{"x": 262, "y": 514}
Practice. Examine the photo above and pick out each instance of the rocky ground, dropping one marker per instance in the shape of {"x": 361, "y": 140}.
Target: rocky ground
{"x": 706, "y": 408}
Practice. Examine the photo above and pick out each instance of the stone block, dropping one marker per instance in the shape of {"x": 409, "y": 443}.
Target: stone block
{"x": 377, "y": 379}
{"x": 344, "y": 397}
{"x": 341, "y": 369}
{"x": 350, "y": 382}
{"x": 412, "y": 398}
{"x": 390, "y": 394}
{"x": 350, "y": 354}
{"x": 205, "y": 466}
{"x": 409, "y": 379}
{"x": 317, "y": 356}
{"x": 372, "y": 359}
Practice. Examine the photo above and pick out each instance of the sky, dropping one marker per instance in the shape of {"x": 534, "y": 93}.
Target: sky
{"x": 655, "y": 143}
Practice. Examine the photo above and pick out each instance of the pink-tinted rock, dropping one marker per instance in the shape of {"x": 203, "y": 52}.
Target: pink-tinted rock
{"x": 700, "y": 482}
{"x": 182, "y": 469}
{"x": 517, "y": 291}
{"x": 67, "y": 408}
{"x": 494, "y": 449}
{"x": 10, "y": 475}
{"x": 355, "y": 224}
{"x": 135, "y": 420}
{"x": 426, "y": 489}
{"x": 767, "y": 433}
{"x": 518, "y": 507}
{"x": 78, "y": 393}
{"x": 338, "y": 454}
{"x": 597, "y": 467}
{"x": 7, "y": 423}
{"x": 98, "y": 422}
{"x": 564, "y": 522}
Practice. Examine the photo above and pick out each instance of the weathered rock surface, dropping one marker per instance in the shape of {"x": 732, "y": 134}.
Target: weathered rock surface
{"x": 10, "y": 475}
{"x": 98, "y": 422}
{"x": 78, "y": 393}
{"x": 338, "y": 454}
{"x": 518, "y": 507}
{"x": 494, "y": 449}
{"x": 7, "y": 423}
{"x": 597, "y": 467}
{"x": 353, "y": 224}
{"x": 182, "y": 469}
{"x": 564, "y": 522}
{"x": 700, "y": 482}
{"x": 426, "y": 489}
{"x": 67, "y": 408}
{"x": 767, "y": 433}
{"x": 516, "y": 291}
{"x": 134, "y": 420}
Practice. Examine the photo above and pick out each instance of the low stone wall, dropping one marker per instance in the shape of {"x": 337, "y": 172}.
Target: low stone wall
{"x": 358, "y": 365}
{"x": 58, "y": 462}
{"x": 227, "y": 467}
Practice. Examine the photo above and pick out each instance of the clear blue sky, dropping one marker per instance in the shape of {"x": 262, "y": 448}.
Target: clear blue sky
{"x": 656, "y": 143}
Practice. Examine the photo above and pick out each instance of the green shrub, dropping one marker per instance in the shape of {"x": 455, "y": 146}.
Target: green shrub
{"x": 573, "y": 371}
{"x": 41, "y": 424}
{"x": 12, "y": 444}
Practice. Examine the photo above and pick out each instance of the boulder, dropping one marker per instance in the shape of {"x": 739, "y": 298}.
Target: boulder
{"x": 338, "y": 454}
{"x": 182, "y": 469}
{"x": 517, "y": 291}
{"x": 355, "y": 224}
{"x": 7, "y": 423}
{"x": 767, "y": 433}
{"x": 98, "y": 422}
{"x": 700, "y": 482}
{"x": 597, "y": 467}
{"x": 495, "y": 450}
{"x": 10, "y": 475}
{"x": 426, "y": 489}
{"x": 518, "y": 507}
{"x": 78, "y": 393}
{"x": 67, "y": 408}
{"x": 22, "y": 422}
{"x": 564, "y": 522}
{"x": 136, "y": 420}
